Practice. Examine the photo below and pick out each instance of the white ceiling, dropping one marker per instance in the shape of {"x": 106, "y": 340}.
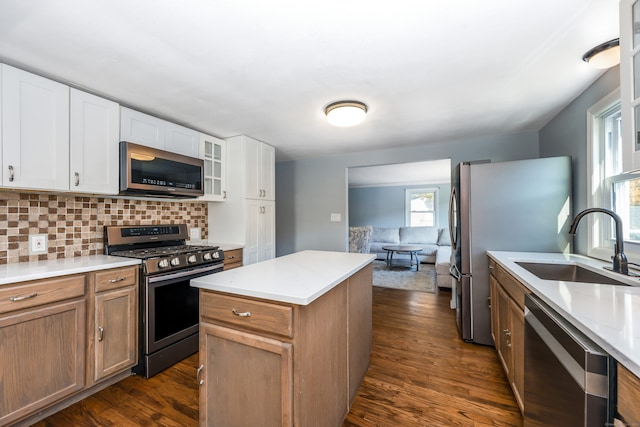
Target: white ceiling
{"x": 428, "y": 70}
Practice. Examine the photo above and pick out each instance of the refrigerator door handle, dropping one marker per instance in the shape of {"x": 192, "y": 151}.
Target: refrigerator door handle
{"x": 452, "y": 218}
{"x": 454, "y": 272}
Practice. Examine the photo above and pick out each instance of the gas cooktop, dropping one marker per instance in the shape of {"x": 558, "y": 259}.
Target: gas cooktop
{"x": 162, "y": 248}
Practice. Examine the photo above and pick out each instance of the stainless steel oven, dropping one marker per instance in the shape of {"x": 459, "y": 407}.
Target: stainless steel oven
{"x": 171, "y": 317}
{"x": 168, "y": 304}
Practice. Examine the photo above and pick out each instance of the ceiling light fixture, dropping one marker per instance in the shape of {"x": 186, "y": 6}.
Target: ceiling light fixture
{"x": 605, "y": 55}
{"x": 345, "y": 113}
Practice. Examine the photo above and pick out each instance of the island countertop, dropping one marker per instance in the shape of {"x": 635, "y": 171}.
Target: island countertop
{"x": 608, "y": 314}
{"x": 298, "y": 278}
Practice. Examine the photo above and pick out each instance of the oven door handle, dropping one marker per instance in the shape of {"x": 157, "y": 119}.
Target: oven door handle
{"x": 180, "y": 274}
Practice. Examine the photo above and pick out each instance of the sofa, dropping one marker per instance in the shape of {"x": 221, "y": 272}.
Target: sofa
{"x": 435, "y": 244}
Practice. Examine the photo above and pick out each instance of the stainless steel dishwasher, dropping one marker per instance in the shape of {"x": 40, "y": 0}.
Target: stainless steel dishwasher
{"x": 568, "y": 378}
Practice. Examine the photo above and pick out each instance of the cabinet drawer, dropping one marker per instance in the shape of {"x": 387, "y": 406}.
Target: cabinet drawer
{"x": 115, "y": 278}
{"x": 233, "y": 257}
{"x": 31, "y": 294}
{"x": 254, "y": 315}
{"x": 510, "y": 284}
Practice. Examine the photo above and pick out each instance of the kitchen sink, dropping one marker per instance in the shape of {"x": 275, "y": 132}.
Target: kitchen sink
{"x": 568, "y": 273}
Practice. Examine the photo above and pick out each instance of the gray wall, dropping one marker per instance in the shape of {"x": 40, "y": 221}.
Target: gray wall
{"x": 385, "y": 206}
{"x": 566, "y": 135}
{"x": 309, "y": 190}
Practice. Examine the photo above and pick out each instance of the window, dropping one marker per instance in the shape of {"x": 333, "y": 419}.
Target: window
{"x": 609, "y": 187}
{"x": 420, "y": 207}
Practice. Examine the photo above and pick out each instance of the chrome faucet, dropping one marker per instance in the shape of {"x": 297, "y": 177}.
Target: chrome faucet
{"x": 620, "y": 263}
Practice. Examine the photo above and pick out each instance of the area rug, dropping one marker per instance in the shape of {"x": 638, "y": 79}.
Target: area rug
{"x": 405, "y": 278}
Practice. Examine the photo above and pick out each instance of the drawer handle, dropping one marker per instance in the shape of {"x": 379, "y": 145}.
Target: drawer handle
{"x": 119, "y": 279}
{"x": 198, "y": 372}
{"x": 100, "y": 333}
{"x": 24, "y": 297}
{"x": 241, "y": 313}
{"x": 231, "y": 257}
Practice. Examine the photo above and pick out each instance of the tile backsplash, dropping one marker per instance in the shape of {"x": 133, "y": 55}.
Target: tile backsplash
{"x": 74, "y": 225}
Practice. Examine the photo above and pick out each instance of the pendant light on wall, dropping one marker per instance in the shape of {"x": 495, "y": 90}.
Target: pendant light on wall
{"x": 345, "y": 113}
{"x": 605, "y": 55}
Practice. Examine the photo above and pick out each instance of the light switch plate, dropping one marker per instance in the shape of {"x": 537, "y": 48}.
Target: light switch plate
{"x": 336, "y": 217}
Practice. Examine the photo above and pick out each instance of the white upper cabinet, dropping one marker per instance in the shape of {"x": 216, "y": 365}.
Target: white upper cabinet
{"x": 181, "y": 140}
{"x": 141, "y": 128}
{"x": 630, "y": 82}
{"x": 260, "y": 170}
{"x": 35, "y": 131}
{"x": 94, "y": 137}
{"x": 214, "y": 153}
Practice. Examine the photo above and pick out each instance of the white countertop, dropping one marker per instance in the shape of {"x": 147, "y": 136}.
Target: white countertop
{"x": 608, "y": 314}
{"x": 299, "y": 278}
{"x": 25, "y": 271}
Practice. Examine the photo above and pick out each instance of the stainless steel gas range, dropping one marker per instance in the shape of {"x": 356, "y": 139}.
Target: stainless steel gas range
{"x": 168, "y": 304}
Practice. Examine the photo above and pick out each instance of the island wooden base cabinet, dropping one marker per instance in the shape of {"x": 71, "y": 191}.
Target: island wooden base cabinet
{"x": 266, "y": 363}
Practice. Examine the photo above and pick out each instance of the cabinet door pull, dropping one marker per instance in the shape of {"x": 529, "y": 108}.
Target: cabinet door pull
{"x": 116, "y": 280}
{"x": 100, "y": 333}
{"x": 241, "y": 313}
{"x": 24, "y": 297}
{"x": 11, "y": 174}
{"x": 224, "y": 194}
{"x": 198, "y": 372}
{"x": 77, "y": 176}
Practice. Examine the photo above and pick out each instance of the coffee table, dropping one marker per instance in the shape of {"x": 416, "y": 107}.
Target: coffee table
{"x": 403, "y": 249}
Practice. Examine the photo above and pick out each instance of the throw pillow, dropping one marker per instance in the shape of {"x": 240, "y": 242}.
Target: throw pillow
{"x": 360, "y": 239}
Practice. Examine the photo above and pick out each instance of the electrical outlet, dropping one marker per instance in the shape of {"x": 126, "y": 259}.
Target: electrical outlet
{"x": 194, "y": 233}
{"x": 38, "y": 244}
{"x": 336, "y": 217}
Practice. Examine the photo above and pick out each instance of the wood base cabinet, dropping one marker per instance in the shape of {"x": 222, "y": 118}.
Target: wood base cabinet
{"x": 277, "y": 364}
{"x": 63, "y": 339}
{"x": 507, "y": 326}
{"x": 233, "y": 259}
{"x": 252, "y": 382}
{"x": 628, "y": 397}
{"x": 115, "y": 321}
{"x": 42, "y": 345}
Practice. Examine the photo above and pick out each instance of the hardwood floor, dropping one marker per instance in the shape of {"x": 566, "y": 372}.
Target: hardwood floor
{"x": 421, "y": 374}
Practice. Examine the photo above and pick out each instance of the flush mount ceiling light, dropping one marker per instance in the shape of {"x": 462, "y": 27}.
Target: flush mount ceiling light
{"x": 345, "y": 113}
{"x": 605, "y": 55}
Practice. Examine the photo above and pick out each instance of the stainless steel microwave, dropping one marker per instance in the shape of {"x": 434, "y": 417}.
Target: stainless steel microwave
{"x": 148, "y": 171}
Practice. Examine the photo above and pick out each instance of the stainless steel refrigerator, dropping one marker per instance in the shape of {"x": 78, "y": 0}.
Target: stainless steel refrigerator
{"x": 522, "y": 205}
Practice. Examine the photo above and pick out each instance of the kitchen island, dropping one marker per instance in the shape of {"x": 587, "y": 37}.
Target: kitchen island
{"x": 285, "y": 341}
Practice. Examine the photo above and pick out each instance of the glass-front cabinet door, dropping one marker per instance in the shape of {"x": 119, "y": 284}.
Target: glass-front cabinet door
{"x": 630, "y": 81}
{"x": 213, "y": 152}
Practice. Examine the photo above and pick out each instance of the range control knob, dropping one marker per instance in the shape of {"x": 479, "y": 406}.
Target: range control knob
{"x": 163, "y": 263}
{"x": 175, "y": 261}
{"x": 192, "y": 259}
{"x": 216, "y": 255}
{"x": 207, "y": 256}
